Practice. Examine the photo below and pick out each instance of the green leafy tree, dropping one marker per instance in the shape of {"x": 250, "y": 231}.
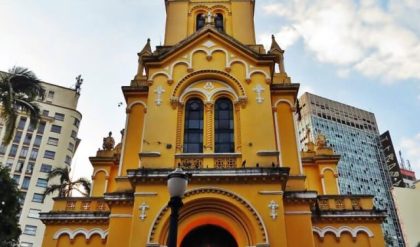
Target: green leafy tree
{"x": 9, "y": 209}
{"x": 67, "y": 185}
{"x": 19, "y": 89}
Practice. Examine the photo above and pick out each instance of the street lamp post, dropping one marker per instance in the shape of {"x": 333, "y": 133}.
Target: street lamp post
{"x": 177, "y": 184}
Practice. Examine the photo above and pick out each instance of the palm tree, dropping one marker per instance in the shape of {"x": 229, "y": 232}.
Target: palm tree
{"x": 19, "y": 88}
{"x": 66, "y": 185}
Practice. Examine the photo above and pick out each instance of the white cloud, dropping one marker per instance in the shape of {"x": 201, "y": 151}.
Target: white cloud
{"x": 411, "y": 151}
{"x": 375, "y": 41}
{"x": 286, "y": 37}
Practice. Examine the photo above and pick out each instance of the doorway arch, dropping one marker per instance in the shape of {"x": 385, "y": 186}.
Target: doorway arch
{"x": 209, "y": 236}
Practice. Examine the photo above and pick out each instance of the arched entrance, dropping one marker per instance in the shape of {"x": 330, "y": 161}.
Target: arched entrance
{"x": 209, "y": 236}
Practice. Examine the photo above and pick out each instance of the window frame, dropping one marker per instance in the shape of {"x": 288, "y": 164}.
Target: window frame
{"x": 189, "y": 131}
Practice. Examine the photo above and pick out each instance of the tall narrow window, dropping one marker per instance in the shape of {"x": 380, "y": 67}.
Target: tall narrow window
{"x": 193, "y": 129}
{"x": 218, "y": 22}
{"x": 223, "y": 126}
{"x": 199, "y": 22}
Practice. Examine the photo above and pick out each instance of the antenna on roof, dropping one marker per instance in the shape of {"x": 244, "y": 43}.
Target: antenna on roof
{"x": 402, "y": 160}
{"x": 409, "y": 165}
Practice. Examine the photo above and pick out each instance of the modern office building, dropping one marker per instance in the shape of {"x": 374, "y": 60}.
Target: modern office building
{"x": 210, "y": 101}
{"x": 353, "y": 134}
{"x": 33, "y": 153}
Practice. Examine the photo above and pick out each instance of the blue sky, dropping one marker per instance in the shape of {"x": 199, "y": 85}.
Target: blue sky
{"x": 364, "y": 53}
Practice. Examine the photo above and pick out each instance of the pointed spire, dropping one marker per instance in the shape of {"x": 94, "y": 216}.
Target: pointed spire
{"x": 147, "y": 49}
{"x": 274, "y": 46}
{"x": 278, "y": 52}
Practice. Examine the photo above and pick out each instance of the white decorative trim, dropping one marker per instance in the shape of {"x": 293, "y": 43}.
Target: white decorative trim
{"x": 120, "y": 216}
{"x": 283, "y": 101}
{"x": 87, "y": 233}
{"x": 276, "y": 123}
{"x": 327, "y": 168}
{"x": 136, "y": 103}
{"x": 208, "y": 94}
{"x": 273, "y": 206}
{"x": 338, "y": 231}
{"x": 259, "y": 90}
{"x": 143, "y": 207}
{"x": 188, "y": 60}
{"x": 159, "y": 91}
{"x": 101, "y": 170}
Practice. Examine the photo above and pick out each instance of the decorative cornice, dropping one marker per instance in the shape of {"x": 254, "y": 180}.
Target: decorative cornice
{"x": 235, "y": 175}
{"x": 74, "y": 217}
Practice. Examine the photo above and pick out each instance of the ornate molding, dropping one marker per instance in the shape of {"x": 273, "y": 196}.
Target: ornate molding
{"x": 87, "y": 233}
{"x": 214, "y": 190}
{"x": 338, "y": 231}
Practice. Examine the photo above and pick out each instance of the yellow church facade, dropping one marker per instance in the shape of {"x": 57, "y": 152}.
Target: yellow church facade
{"x": 216, "y": 104}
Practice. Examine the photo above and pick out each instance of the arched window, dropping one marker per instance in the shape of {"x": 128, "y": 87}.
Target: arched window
{"x": 223, "y": 126}
{"x": 218, "y": 22}
{"x": 193, "y": 126}
{"x": 200, "y": 21}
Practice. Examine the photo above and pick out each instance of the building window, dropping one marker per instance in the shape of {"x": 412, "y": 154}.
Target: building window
{"x": 25, "y": 183}
{"x": 9, "y": 163}
{"x": 34, "y": 213}
{"x": 67, "y": 160}
{"x": 30, "y": 168}
{"x": 46, "y": 168}
{"x": 30, "y": 230}
{"x": 200, "y": 21}
{"x": 21, "y": 198}
{"x": 49, "y": 154}
{"x": 76, "y": 122}
{"x": 13, "y": 150}
{"x": 26, "y": 244}
{"x": 73, "y": 134}
{"x": 23, "y": 152}
{"x": 21, "y": 124}
{"x": 28, "y": 139}
{"x": 193, "y": 129}
{"x": 16, "y": 178}
{"x": 50, "y": 95}
{"x": 56, "y": 129}
{"x": 34, "y": 154}
{"x": 41, "y": 127}
{"x": 59, "y": 116}
{"x": 52, "y": 141}
{"x": 42, "y": 182}
{"x": 223, "y": 125}
{"x": 38, "y": 198}
{"x": 18, "y": 136}
{"x": 218, "y": 22}
{"x": 45, "y": 113}
{"x": 2, "y": 149}
{"x": 70, "y": 147}
{"x": 19, "y": 166}
{"x": 38, "y": 140}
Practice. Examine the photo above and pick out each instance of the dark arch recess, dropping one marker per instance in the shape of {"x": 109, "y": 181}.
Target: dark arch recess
{"x": 209, "y": 235}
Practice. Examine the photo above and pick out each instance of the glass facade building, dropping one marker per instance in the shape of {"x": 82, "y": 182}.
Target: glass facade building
{"x": 353, "y": 134}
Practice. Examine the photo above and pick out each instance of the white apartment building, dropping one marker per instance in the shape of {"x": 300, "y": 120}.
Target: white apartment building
{"x": 34, "y": 152}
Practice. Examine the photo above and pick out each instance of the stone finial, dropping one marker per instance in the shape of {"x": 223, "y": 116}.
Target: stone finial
{"x": 278, "y": 52}
{"x": 146, "y": 51}
{"x": 108, "y": 142}
{"x": 321, "y": 141}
